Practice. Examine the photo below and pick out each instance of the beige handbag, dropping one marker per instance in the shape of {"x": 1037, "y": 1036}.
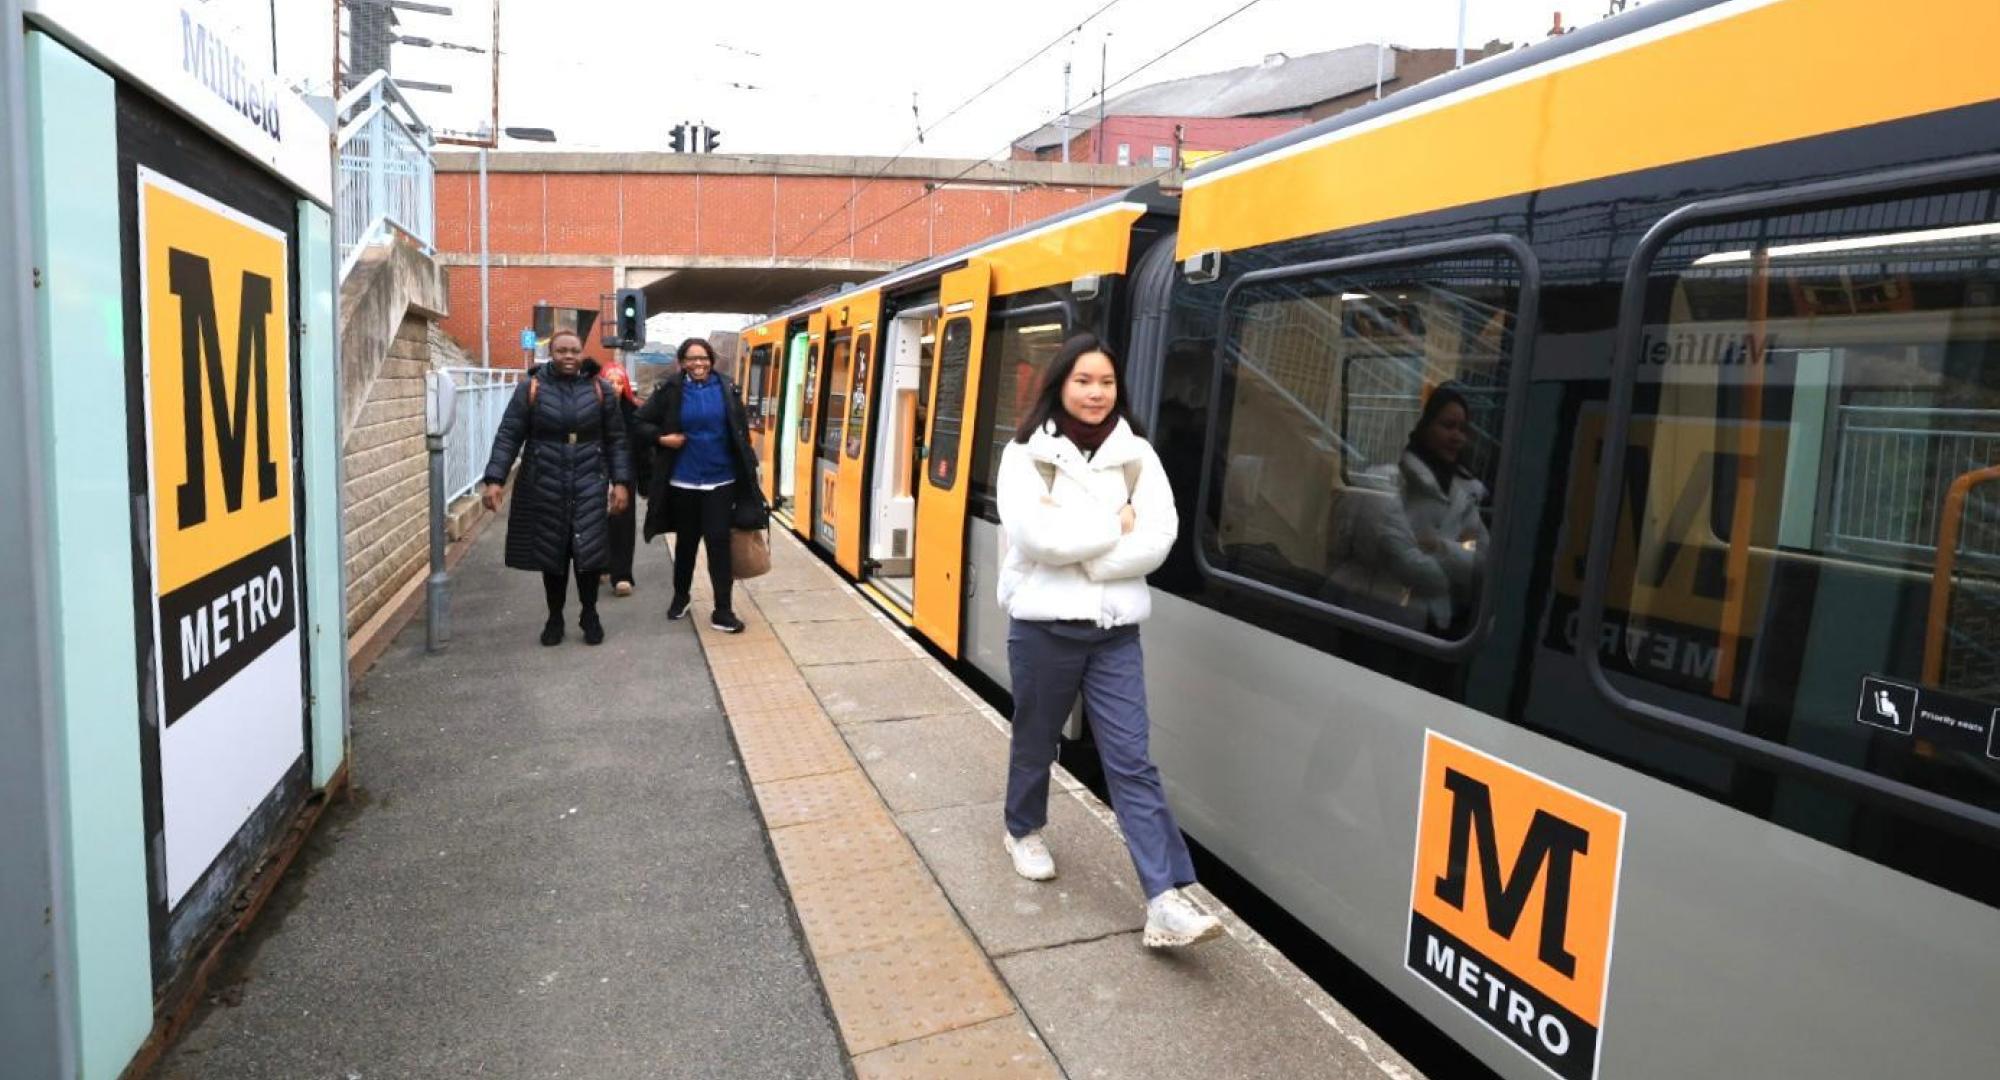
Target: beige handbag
{"x": 749, "y": 553}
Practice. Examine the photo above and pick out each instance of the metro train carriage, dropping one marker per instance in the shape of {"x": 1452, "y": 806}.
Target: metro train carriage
{"x": 1697, "y": 771}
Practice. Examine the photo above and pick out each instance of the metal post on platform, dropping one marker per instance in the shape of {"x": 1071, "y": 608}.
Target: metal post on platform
{"x": 440, "y": 411}
{"x": 485, "y": 273}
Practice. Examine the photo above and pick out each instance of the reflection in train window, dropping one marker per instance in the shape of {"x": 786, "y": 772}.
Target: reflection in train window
{"x": 1359, "y": 427}
{"x": 839, "y": 358}
{"x": 1809, "y": 536}
{"x": 1018, "y": 348}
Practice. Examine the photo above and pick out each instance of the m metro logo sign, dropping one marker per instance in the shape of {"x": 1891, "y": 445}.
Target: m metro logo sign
{"x": 214, "y": 289}
{"x": 1515, "y": 897}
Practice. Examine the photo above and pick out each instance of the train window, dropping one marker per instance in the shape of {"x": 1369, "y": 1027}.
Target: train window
{"x": 1807, "y": 548}
{"x": 811, "y": 393}
{"x": 1019, "y": 347}
{"x": 838, "y": 355}
{"x": 1357, "y": 428}
{"x": 754, "y": 388}
{"x": 954, "y": 356}
{"x": 858, "y": 410}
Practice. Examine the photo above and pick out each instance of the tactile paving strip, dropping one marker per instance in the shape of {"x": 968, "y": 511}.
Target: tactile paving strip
{"x": 827, "y": 850}
{"x": 909, "y": 989}
{"x": 874, "y": 907}
{"x": 782, "y": 753}
{"x": 815, "y": 798}
{"x": 997, "y": 1048}
{"x": 786, "y": 695}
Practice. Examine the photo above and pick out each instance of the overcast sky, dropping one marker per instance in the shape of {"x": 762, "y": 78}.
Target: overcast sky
{"x": 784, "y": 76}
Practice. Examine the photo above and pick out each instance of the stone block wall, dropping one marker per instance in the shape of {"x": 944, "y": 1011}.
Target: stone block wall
{"x": 387, "y": 497}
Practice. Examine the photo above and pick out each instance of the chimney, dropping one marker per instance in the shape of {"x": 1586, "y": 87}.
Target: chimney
{"x": 1557, "y": 29}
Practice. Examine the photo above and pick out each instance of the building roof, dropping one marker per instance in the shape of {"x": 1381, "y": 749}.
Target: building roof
{"x": 1279, "y": 84}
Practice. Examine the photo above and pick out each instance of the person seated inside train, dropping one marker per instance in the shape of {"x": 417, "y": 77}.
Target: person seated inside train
{"x": 1408, "y": 541}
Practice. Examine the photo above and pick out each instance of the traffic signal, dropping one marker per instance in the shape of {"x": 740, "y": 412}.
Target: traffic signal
{"x": 710, "y": 139}
{"x": 631, "y": 318}
{"x": 679, "y": 139}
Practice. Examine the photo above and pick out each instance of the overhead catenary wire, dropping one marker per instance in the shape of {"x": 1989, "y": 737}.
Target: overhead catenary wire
{"x": 974, "y": 166}
{"x": 922, "y": 131}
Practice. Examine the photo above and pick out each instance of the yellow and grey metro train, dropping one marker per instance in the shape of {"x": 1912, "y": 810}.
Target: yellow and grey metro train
{"x": 1701, "y": 775}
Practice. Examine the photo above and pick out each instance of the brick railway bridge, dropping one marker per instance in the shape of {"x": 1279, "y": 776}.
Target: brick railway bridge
{"x": 719, "y": 232}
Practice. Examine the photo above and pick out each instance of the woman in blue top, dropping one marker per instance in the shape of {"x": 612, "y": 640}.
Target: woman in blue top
{"x": 702, "y": 465}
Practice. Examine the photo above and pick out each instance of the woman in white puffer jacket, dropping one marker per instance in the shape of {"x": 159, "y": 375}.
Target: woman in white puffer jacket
{"x": 1086, "y": 513}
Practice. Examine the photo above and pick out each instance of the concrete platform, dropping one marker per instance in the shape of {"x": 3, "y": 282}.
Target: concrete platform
{"x": 880, "y": 777}
{"x": 550, "y": 866}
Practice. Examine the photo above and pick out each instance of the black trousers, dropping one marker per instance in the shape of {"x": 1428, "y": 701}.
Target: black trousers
{"x": 557, "y": 587}
{"x": 702, "y": 517}
{"x": 624, "y": 540}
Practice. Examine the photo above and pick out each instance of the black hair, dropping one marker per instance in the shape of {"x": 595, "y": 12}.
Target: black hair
{"x": 681, "y": 353}
{"x": 1441, "y": 398}
{"x": 1048, "y": 399}
{"x": 566, "y": 332}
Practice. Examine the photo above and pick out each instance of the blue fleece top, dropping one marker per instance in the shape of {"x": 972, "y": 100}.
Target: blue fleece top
{"x": 704, "y": 461}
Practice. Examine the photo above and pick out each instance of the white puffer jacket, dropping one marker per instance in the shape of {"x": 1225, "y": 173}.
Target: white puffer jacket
{"x": 1062, "y": 554}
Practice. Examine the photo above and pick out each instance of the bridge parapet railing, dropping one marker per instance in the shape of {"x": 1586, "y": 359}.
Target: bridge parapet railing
{"x": 482, "y": 400}
{"x": 387, "y": 174}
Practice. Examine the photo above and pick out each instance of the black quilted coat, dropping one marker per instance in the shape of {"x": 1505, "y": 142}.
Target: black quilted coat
{"x": 661, "y": 415}
{"x": 572, "y": 447}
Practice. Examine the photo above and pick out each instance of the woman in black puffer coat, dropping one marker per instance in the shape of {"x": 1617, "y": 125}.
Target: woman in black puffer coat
{"x": 576, "y": 470}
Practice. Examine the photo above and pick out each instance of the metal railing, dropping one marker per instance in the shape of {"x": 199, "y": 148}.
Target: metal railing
{"x": 483, "y": 394}
{"x": 387, "y": 176}
{"x": 1894, "y": 466}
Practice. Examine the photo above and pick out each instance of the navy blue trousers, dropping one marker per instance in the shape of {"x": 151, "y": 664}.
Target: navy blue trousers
{"x": 1051, "y": 663}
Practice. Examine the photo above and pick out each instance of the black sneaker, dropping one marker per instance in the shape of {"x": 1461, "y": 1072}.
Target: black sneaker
{"x": 678, "y": 610}
{"x": 552, "y": 631}
{"x": 593, "y": 630}
{"x": 726, "y": 622}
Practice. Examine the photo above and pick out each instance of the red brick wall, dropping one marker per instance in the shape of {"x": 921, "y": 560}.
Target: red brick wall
{"x": 515, "y": 292}
{"x": 678, "y": 216}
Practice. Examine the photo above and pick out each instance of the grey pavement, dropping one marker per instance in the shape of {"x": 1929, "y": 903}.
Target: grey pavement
{"x": 550, "y": 866}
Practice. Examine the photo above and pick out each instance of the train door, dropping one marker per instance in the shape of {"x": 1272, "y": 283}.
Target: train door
{"x": 861, "y": 313}
{"x": 807, "y": 427}
{"x": 908, "y": 349}
{"x": 795, "y": 381}
{"x": 837, "y": 371}
{"x": 954, "y": 414}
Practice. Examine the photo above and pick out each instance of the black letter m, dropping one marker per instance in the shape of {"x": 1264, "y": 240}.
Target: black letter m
{"x": 1551, "y": 841}
{"x": 201, "y": 352}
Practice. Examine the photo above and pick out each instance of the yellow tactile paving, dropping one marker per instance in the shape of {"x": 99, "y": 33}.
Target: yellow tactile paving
{"x": 786, "y": 753}
{"x": 909, "y": 989}
{"x": 912, "y": 992}
{"x": 830, "y": 850}
{"x": 815, "y": 798}
{"x": 873, "y": 907}
{"x": 997, "y": 1048}
{"x": 783, "y": 695}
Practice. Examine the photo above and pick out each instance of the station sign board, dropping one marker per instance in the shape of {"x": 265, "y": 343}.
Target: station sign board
{"x": 228, "y": 679}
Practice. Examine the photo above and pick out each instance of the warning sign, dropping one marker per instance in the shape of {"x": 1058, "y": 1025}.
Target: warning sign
{"x": 217, "y": 363}
{"x": 1515, "y": 897}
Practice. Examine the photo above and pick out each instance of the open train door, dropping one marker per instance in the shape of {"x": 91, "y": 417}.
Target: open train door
{"x": 954, "y": 415}
{"x": 861, "y": 315}
{"x": 807, "y": 429}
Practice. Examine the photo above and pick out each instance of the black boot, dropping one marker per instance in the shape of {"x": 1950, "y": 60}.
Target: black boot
{"x": 593, "y": 630}
{"x": 552, "y": 631}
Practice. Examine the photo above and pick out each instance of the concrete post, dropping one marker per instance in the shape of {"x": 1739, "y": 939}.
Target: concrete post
{"x": 437, "y": 599}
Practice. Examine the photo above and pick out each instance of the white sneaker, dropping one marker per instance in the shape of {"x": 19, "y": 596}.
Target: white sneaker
{"x": 1031, "y": 857}
{"x": 1172, "y": 922}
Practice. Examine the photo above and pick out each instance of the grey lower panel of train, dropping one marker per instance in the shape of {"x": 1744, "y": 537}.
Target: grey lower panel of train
{"x": 1739, "y": 948}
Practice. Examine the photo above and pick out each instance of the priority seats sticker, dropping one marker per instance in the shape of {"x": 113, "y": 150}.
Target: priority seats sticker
{"x": 1514, "y": 902}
